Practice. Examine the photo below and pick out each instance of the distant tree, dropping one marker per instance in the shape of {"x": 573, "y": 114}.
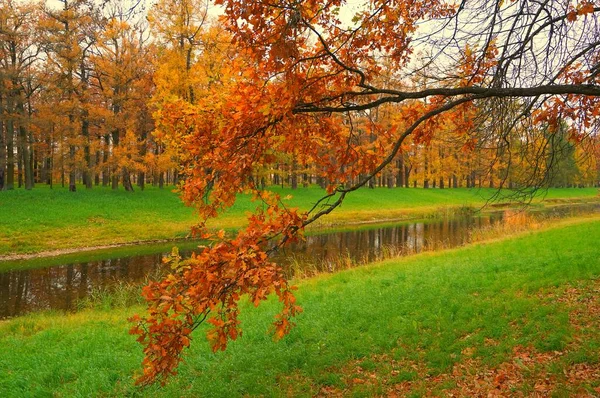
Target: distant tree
{"x": 179, "y": 25}
{"x": 561, "y": 160}
{"x": 68, "y": 35}
{"x": 18, "y": 55}
{"x": 121, "y": 71}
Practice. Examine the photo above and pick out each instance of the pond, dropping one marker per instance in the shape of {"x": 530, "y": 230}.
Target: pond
{"x": 60, "y": 287}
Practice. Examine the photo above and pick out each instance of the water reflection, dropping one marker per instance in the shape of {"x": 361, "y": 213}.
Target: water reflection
{"x": 324, "y": 253}
{"x": 60, "y": 287}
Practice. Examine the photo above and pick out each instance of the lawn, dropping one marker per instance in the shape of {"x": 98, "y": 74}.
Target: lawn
{"x": 514, "y": 317}
{"x": 46, "y": 220}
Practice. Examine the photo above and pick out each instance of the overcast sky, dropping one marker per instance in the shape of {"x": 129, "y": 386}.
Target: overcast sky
{"x": 347, "y": 12}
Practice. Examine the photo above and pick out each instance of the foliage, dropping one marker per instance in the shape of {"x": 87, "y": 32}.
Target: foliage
{"x": 308, "y": 87}
{"x": 81, "y": 81}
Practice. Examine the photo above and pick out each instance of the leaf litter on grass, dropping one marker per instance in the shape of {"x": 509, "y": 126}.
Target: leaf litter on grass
{"x": 527, "y": 372}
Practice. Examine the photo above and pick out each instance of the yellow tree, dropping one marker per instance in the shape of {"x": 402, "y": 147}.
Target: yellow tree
{"x": 178, "y": 24}
{"x": 121, "y": 64}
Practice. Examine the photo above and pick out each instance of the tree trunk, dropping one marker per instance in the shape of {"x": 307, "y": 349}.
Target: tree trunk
{"x": 426, "y": 170}
{"x": 97, "y": 167}
{"x": 27, "y": 166}
{"x": 105, "y": 155}
{"x": 85, "y": 132}
{"x": 115, "y": 176}
{"x": 188, "y": 66}
{"x": 24, "y": 147}
{"x": 127, "y": 180}
{"x": 46, "y": 172}
{"x": 141, "y": 180}
{"x": 322, "y": 182}
{"x": 33, "y": 161}
{"x": 72, "y": 173}
{"x": 2, "y": 148}
{"x": 72, "y": 151}
{"x": 400, "y": 171}
{"x": 19, "y": 162}
{"x": 62, "y": 170}
{"x": 390, "y": 180}
{"x": 294, "y": 174}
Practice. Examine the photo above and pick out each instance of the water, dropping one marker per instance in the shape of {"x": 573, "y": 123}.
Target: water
{"x": 331, "y": 251}
{"x": 61, "y": 287}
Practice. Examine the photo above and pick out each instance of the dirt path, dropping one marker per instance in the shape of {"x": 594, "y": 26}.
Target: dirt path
{"x": 61, "y": 252}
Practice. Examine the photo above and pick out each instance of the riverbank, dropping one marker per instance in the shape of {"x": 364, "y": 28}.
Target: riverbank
{"x": 50, "y": 222}
{"x": 516, "y": 317}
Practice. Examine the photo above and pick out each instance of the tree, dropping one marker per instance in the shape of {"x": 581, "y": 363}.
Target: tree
{"x": 179, "y": 25}
{"x": 120, "y": 67}
{"x": 312, "y": 73}
{"x": 180, "y": 29}
{"x": 68, "y": 37}
{"x": 18, "y": 54}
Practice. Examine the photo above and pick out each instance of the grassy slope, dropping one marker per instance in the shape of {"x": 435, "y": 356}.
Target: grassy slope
{"x": 434, "y": 309}
{"x": 45, "y": 219}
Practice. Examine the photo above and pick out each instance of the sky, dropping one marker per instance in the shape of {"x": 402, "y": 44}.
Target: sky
{"x": 347, "y": 12}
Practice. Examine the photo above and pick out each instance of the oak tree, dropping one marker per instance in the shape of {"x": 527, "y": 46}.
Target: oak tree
{"x": 313, "y": 73}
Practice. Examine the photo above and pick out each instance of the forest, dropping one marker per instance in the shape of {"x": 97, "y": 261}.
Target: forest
{"x": 85, "y": 86}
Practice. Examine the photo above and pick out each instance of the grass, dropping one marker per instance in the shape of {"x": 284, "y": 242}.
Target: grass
{"x": 429, "y": 323}
{"x": 48, "y": 220}
{"x": 44, "y": 219}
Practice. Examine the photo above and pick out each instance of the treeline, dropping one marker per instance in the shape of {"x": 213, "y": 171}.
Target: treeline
{"x": 448, "y": 161}
{"x": 76, "y": 89}
{"x": 81, "y": 86}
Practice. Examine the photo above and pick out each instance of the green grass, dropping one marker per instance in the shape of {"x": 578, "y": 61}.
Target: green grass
{"x": 427, "y": 309}
{"x": 46, "y": 220}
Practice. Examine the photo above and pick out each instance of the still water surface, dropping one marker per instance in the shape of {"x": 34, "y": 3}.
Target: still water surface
{"x": 60, "y": 287}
